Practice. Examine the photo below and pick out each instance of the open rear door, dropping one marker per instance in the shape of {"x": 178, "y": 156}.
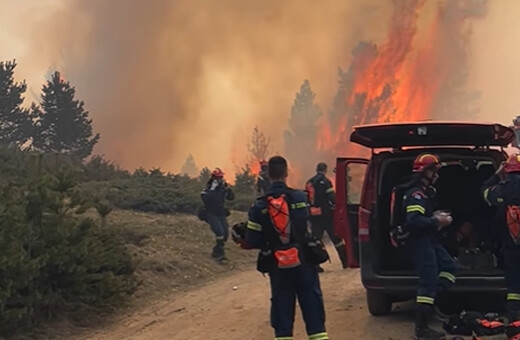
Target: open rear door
{"x": 350, "y": 176}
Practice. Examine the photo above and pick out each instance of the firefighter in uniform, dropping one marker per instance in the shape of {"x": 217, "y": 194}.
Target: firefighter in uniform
{"x": 321, "y": 198}
{"x": 213, "y": 197}
{"x": 262, "y": 182}
{"x": 434, "y": 266}
{"x": 291, "y": 276}
{"x": 502, "y": 190}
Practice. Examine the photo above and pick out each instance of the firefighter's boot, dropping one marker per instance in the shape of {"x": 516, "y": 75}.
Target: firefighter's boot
{"x": 342, "y": 253}
{"x": 513, "y": 330}
{"x": 218, "y": 250}
{"x": 422, "y": 331}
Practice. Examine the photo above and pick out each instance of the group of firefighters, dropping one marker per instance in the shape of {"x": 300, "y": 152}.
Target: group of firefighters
{"x": 287, "y": 226}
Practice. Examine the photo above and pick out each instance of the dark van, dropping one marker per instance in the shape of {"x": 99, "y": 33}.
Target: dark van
{"x": 469, "y": 152}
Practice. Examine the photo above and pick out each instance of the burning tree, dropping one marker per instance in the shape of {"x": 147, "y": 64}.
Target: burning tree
{"x": 300, "y": 137}
{"x": 15, "y": 123}
{"x": 190, "y": 168}
{"x": 62, "y": 124}
{"x": 259, "y": 148}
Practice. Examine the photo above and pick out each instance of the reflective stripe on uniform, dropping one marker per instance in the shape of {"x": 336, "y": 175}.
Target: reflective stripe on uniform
{"x": 448, "y": 276}
{"x": 298, "y": 205}
{"x": 319, "y": 336}
{"x": 254, "y": 226}
{"x": 486, "y": 193}
{"x": 284, "y": 338}
{"x": 425, "y": 299}
{"x": 415, "y": 208}
{"x": 329, "y": 190}
{"x": 219, "y": 237}
{"x": 513, "y": 297}
{"x": 339, "y": 244}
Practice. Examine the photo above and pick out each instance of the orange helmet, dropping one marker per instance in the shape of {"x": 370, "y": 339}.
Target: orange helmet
{"x": 425, "y": 161}
{"x": 513, "y": 163}
{"x": 217, "y": 173}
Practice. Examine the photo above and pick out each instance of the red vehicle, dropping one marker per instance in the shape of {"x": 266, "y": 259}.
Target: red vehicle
{"x": 470, "y": 153}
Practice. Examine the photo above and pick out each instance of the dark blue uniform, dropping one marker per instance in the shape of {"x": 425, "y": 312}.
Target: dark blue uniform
{"x": 502, "y": 194}
{"x": 433, "y": 264}
{"x": 301, "y": 282}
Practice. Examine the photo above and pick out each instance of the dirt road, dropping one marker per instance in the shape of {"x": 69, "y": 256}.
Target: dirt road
{"x": 217, "y": 312}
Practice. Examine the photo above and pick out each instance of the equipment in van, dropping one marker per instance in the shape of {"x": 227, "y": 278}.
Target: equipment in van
{"x": 469, "y": 323}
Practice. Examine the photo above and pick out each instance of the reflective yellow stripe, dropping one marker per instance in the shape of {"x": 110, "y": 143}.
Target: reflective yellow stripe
{"x": 319, "y": 336}
{"x": 500, "y": 200}
{"x": 219, "y": 237}
{"x": 425, "y": 299}
{"x": 298, "y": 205}
{"x": 254, "y": 226}
{"x": 284, "y": 338}
{"x": 329, "y": 190}
{"x": 448, "y": 276}
{"x": 513, "y": 297}
{"x": 486, "y": 193}
{"x": 415, "y": 208}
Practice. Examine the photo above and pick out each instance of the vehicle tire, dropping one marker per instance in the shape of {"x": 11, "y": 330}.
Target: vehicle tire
{"x": 378, "y": 303}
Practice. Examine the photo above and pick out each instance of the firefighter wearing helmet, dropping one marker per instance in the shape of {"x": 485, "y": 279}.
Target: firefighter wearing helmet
{"x": 213, "y": 197}
{"x": 502, "y": 190}
{"x": 262, "y": 182}
{"x": 434, "y": 266}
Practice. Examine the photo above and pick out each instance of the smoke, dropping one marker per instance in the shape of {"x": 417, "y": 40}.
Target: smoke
{"x": 163, "y": 79}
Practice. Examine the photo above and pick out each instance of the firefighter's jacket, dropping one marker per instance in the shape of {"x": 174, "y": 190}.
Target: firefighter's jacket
{"x": 260, "y": 232}
{"x": 321, "y": 195}
{"x": 418, "y": 205}
{"x": 500, "y": 194}
{"x": 214, "y": 197}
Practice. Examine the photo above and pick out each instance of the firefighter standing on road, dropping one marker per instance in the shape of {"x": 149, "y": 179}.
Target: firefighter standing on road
{"x": 278, "y": 225}
{"x": 321, "y": 198}
{"x": 262, "y": 182}
{"x": 503, "y": 191}
{"x": 435, "y": 267}
{"x": 214, "y": 196}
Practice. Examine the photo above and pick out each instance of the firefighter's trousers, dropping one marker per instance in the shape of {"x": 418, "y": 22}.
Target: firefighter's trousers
{"x": 287, "y": 285}
{"x": 512, "y": 274}
{"x": 320, "y": 224}
{"x": 434, "y": 266}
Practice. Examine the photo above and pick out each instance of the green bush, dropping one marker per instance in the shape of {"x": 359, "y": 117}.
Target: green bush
{"x": 53, "y": 260}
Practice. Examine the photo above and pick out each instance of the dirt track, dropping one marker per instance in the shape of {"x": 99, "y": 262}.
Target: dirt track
{"x": 217, "y": 312}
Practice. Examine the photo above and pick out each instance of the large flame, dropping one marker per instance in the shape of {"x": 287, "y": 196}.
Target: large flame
{"x": 401, "y": 79}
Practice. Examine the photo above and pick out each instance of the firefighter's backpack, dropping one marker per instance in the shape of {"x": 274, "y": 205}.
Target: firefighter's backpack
{"x": 399, "y": 233}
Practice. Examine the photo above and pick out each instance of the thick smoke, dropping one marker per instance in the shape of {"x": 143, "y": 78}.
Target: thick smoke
{"x": 163, "y": 79}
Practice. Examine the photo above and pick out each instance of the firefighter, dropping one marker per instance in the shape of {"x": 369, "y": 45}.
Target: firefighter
{"x": 434, "y": 266}
{"x": 213, "y": 197}
{"x": 321, "y": 198}
{"x": 278, "y": 225}
{"x": 502, "y": 190}
{"x": 262, "y": 182}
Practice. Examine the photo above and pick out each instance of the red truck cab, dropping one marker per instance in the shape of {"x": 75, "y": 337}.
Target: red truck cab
{"x": 470, "y": 153}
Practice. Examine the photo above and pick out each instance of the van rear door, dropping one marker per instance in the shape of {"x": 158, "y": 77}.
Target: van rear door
{"x": 350, "y": 176}
{"x": 431, "y": 133}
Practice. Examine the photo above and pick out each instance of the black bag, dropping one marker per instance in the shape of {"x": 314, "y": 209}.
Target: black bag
{"x": 475, "y": 259}
{"x": 469, "y": 323}
{"x": 202, "y": 214}
{"x": 266, "y": 261}
{"x": 315, "y": 252}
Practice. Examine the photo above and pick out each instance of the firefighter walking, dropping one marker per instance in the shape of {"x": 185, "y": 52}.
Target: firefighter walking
{"x": 434, "y": 266}
{"x": 322, "y": 201}
{"x": 214, "y": 196}
{"x": 278, "y": 226}
{"x": 502, "y": 190}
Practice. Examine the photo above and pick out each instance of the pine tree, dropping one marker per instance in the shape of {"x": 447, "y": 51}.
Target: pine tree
{"x": 62, "y": 124}
{"x": 204, "y": 175}
{"x": 245, "y": 181}
{"x": 300, "y": 138}
{"x": 15, "y": 122}
{"x": 259, "y": 147}
{"x": 190, "y": 168}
